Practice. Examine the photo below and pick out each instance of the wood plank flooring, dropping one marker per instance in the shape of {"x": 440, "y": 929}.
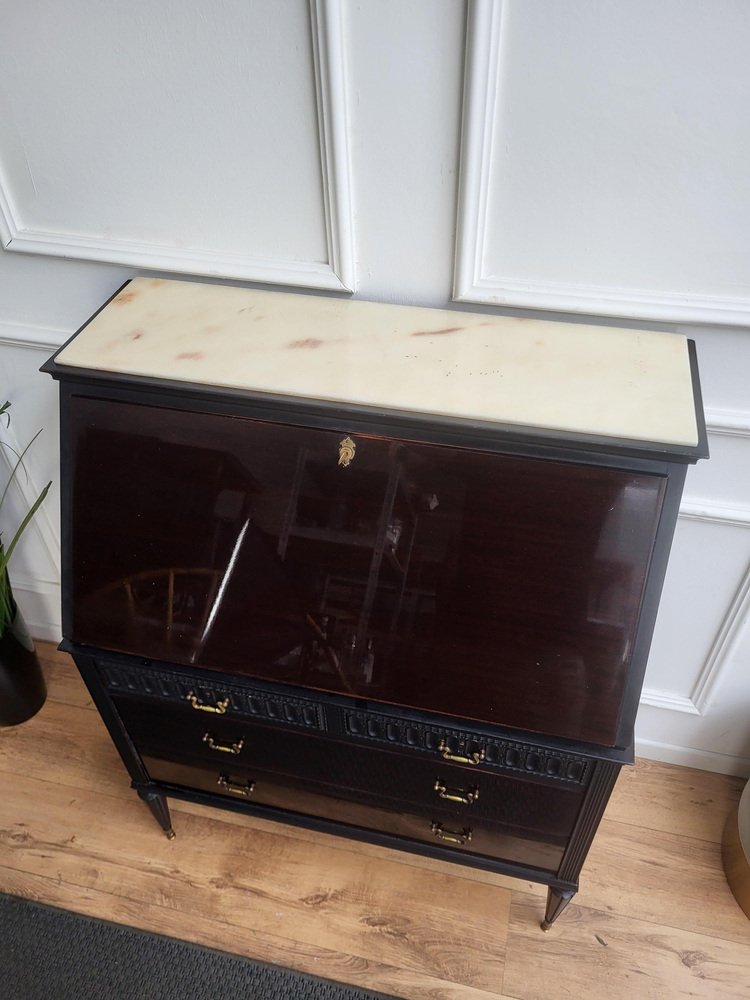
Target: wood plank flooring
{"x": 654, "y": 917}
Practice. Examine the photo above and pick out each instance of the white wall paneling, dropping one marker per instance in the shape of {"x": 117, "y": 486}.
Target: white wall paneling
{"x": 204, "y": 138}
{"x": 31, "y": 335}
{"x": 728, "y": 617}
{"x": 723, "y": 483}
{"x": 331, "y": 95}
{"x": 598, "y": 174}
{"x": 725, "y": 645}
{"x": 689, "y": 756}
{"x": 34, "y": 567}
{"x": 39, "y": 601}
{"x": 717, "y": 576}
{"x": 729, "y": 423}
{"x": 695, "y": 707}
{"x": 405, "y": 78}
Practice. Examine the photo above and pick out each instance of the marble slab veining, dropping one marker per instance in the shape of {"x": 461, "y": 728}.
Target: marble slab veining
{"x": 632, "y": 384}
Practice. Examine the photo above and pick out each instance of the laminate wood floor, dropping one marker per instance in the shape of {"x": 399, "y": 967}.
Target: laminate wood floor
{"x": 654, "y": 917}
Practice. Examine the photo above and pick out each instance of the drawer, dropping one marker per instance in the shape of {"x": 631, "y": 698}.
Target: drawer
{"x": 465, "y": 836}
{"x": 176, "y": 733}
{"x": 367, "y": 726}
{"x": 210, "y": 689}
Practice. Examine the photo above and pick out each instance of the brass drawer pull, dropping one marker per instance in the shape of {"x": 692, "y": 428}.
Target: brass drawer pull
{"x": 466, "y": 796}
{"x": 473, "y": 758}
{"x": 222, "y": 747}
{"x": 219, "y": 708}
{"x": 237, "y": 789}
{"x": 452, "y": 836}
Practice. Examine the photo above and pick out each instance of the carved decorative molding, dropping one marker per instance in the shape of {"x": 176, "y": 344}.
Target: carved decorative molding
{"x": 245, "y": 700}
{"x": 500, "y": 754}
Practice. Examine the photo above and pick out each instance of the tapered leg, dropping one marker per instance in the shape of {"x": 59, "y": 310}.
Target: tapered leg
{"x": 557, "y": 900}
{"x": 157, "y": 803}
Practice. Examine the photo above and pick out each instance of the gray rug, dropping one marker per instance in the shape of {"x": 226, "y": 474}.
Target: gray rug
{"x": 52, "y": 954}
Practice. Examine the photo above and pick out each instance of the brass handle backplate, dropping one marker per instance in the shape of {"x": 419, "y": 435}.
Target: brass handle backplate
{"x": 236, "y": 788}
{"x": 219, "y": 708}
{"x": 222, "y": 747}
{"x": 466, "y": 796}
{"x": 452, "y": 836}
{"x": 346, "y": 451}
{"x": 476, "y": 757}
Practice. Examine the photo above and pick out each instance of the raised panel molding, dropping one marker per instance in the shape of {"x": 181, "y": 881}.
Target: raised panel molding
{"x": 715, "y": 513}
{"x": 33, "y": 336}
{"x": 724, "y": 645}
{"x": 728, "y": 634}
{"x": 725, "y": 423}
{"x": 668, "y": 699}
{"x": 736, "y": 424}
{"x": 330, "y": 92}
{"x": 732, "y": 423}
{"x": 336, "y": 274}
{"x": 472, "y": 282}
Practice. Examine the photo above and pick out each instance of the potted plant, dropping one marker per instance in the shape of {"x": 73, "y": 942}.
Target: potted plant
{"x": 22, "y": 686}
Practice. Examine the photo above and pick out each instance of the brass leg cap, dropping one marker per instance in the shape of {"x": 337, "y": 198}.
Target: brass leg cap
{"x": 171, "y": 834}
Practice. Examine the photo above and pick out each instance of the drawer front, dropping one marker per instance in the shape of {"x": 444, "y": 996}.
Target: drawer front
{"x": 463, "y": 835}
{"x": 176, "y": 733}
{"x": 301, "y": 711}
{"x": 210, "y": 691}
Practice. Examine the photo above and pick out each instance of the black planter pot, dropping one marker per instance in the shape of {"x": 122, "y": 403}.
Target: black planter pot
{"x": 22, "y": 687}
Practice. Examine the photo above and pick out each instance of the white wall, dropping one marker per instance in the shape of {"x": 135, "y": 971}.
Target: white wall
{"x": 602, "y": 148}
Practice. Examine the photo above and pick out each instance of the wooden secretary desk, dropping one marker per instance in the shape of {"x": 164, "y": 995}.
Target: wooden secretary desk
{"x": 383, "y": 571}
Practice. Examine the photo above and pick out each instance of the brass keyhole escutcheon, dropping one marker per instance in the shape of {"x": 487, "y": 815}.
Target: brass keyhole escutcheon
{"x": 346, "y": 451}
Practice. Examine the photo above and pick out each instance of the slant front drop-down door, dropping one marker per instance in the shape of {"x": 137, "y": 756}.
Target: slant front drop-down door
{"x": 492, "y": 587}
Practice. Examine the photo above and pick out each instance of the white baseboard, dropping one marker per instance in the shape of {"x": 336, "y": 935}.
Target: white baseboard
{"x": 702, "y": 760}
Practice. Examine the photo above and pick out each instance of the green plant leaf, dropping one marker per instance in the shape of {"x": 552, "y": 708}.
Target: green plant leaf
{"x": 5, "y": 554}
{"x": 7, "y": 604}
{"x": 19, "y": 464}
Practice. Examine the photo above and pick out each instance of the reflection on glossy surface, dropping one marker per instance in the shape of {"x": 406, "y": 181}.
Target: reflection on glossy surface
{"x": 492, "y": 587}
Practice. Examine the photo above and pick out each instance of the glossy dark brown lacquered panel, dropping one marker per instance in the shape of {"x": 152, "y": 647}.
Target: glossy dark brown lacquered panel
{"x": 477, "y": 585}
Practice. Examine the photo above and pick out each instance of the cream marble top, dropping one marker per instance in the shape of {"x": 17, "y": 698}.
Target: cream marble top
{"x": 535, "y": 373}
